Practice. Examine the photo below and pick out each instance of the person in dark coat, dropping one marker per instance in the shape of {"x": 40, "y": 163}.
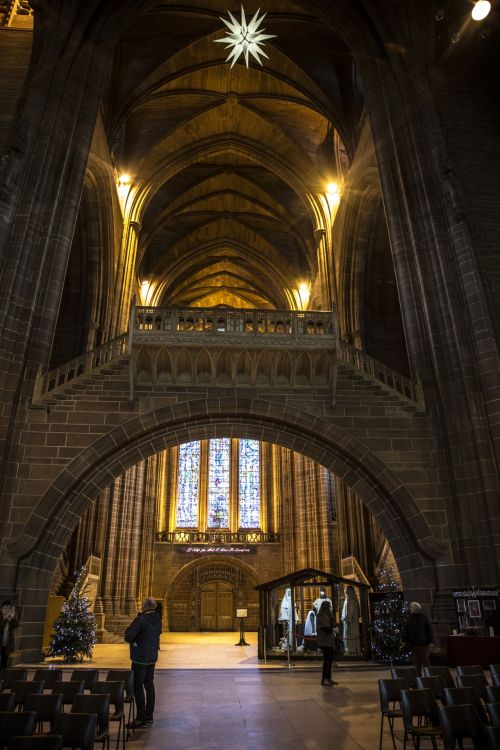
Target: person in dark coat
{"x": 326, "y": 630}
{"x": 8, "y": 623}
{"x": 417, "y": 635}
{"x": 143, "y": 634}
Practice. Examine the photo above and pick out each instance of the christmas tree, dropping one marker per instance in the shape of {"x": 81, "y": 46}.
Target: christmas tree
{"x": 390, "y": 614}
{"x": 74, "y": 633}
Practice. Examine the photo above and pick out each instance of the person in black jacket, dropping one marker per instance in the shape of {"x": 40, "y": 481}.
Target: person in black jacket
{"x": 143, "y": 634}
{"x": 8, "y": 623}
{"x": 417, "y": 635}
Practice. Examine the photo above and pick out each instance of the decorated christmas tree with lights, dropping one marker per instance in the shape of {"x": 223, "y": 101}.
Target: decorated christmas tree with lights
{"x": 390, "y": 614}
{"x": 74, "y": 635}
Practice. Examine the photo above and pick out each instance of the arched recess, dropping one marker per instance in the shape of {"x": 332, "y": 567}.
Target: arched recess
{"x": 209, "y": 566}
{"x": 49, "y": 527}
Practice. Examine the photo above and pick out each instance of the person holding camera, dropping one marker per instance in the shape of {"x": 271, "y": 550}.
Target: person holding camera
{"x": 143, "y": 635}
{"x": 8, "y": 624}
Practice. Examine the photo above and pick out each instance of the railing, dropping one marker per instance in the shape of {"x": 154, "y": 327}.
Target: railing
{"x": 186, "y": 536}
{"x": 390, "y": 378}
{"x": 16, "y": 14}
{"x": 79, "y": 366}
{"x": 220, "y": 322}
{"x": 352, "y": 569}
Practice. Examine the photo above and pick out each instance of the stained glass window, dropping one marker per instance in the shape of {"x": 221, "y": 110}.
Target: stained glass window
{"x": 219, "y": 462}
{"x": 187, "y": 485}
{"x": 249, "y": 481}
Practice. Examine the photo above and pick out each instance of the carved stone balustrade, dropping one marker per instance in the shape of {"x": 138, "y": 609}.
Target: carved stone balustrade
{"x": 217, "y": 347}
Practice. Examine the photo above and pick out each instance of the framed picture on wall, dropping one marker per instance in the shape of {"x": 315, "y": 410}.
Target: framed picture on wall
{"x": 489, "y": 604}
{"x": 461, "y": 605}
{"x": 474, "y": 608}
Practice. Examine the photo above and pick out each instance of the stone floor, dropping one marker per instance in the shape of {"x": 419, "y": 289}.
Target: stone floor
{"x": 213, "y": 695}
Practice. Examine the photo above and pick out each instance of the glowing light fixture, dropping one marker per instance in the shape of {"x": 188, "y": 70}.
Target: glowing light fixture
{"x": 480, "y": 10}
{"x": 332, "y": 189}
{"x": 124, "y": 179}
{"x": 245, "y": 38}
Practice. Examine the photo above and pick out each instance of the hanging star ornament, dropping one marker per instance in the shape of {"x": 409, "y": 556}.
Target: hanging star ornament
{"x": 245, "y": 38}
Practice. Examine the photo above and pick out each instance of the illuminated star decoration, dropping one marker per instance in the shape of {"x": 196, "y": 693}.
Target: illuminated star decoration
{"x": 245, "y": 38}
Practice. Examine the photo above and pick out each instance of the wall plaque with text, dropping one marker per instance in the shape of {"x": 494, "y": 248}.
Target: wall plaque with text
{"x": 227, "y": 549}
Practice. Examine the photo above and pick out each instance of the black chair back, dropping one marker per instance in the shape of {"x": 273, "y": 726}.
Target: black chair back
{"x": 390, "y": 693}
{"x": 494, "y": 712}
{"x": 89, "y": 677}
{"x": 10, "y": 676}
{"x": 77, "y": 730}
{"x": 94, "y": 704}
{"x": 419, "y": 703}
{"x": 432, "y": 683}
{"x": 47, "y": 707}
{"x": 463, "y": 721}
{"x": 442, "y": 672}
{"x": 476, "y": 681}
{"x": 493, "y": 694}
{"x": 116, "y": 693}
{"x": 470, "y": 669}
{"x": 407, "y": 673}
{"x": 123, "y": 675}
{"x": 459, "y": 696}
{"x": 37, "y": 742}
{"x": 49, "y": 676}
{"x": 23, "y": 688}
{"x": 68, "y": 690}
{"x": 14, "y": 723}
{"x": 7, "y": 701}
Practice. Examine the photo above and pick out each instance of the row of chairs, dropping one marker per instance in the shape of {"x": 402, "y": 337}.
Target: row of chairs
{"x": 410, "y": 674}
{"x": 53, "y": 678}
{"x": 75, "y": 730}
{"x": 29, "y": 695}
{"x": 461, "y": 715}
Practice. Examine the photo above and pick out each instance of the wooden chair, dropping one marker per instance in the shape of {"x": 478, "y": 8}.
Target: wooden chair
{"x": 460, "y": 696}
{"x": 127, "y": 677}
{"x": 442, "y": 672}
{"x": 89, "y": 677}
{"x": 435, "y": 684}
{"x": 23, "y": 688}
{"x": 10, "y": 676}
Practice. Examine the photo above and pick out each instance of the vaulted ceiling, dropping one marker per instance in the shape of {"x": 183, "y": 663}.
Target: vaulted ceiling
{"x": 226, "y": 163}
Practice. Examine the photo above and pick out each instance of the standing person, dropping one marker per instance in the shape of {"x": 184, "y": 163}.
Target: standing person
{"x": 143, "y": 634}
{"x": 8, "y": 623}
{"x": 325, "y": 628}
{"x": 417, "y": 635}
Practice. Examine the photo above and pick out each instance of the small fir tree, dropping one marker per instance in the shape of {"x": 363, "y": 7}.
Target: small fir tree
{"x": 74, "y": 635}
{"x": 390, "y": 616}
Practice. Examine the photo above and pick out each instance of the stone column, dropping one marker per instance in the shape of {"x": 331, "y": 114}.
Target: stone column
{"x": 41, "y": 177}
{"x": 449, "y": 330}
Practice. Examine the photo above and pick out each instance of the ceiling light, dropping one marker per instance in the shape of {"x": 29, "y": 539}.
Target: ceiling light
{"x": 245, "y": 38}
{"x": 480, "y": 10}
{"x": 332, "y": 189}
{"x": 124, "y": 179}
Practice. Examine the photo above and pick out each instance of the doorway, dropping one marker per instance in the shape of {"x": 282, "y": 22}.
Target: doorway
{"x": 216, "y": 606}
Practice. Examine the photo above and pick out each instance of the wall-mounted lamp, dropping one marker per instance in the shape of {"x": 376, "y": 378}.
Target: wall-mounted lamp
{"x": 480, "y": 10}
{"x": 333, "y": 193}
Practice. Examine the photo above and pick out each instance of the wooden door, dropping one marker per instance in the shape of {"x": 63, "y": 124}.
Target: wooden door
{"x": 216, "y": 606}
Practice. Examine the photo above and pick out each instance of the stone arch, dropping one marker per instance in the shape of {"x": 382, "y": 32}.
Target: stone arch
{"x": 46, "y": 532}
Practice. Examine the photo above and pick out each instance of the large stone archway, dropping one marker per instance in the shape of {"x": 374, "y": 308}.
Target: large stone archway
{"x": 386, "y": 495}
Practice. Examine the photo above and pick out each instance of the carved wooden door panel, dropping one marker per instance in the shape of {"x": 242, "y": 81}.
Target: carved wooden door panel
{"x": 216, "y": 606}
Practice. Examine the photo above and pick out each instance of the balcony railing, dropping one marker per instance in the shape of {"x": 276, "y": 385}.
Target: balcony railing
{"x": 194, "y": 322}
{"x": 186, "y": 536}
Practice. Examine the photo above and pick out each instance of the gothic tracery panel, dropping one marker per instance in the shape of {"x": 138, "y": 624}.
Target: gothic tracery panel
{"x": 187, "y": 485}
{"x": 249, "y": 484}
{"x": 219, "y": 483}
